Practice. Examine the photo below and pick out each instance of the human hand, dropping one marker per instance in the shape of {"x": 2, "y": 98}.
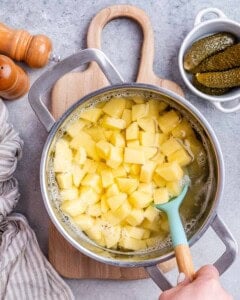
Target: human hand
{"x": 205, "y": 286}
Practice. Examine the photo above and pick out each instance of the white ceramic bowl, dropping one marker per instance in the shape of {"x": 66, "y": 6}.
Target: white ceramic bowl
{"x": 201, "y": 29}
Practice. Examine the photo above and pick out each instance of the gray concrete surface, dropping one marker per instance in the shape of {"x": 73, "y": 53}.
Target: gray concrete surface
{"x": 66, "y": 23}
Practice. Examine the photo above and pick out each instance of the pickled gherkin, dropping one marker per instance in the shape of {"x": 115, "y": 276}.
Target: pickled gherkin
{"x": 206, "y": 47}
{"x": 208, "y": 90}
{"x": 224, "y": 79}
{"x": 228, "y": 59}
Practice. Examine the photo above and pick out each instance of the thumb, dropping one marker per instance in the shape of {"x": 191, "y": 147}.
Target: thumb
{"x": 182, "y": 279}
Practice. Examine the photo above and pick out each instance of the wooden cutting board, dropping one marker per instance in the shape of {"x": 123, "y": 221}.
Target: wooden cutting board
{"x": 71, "y": 87}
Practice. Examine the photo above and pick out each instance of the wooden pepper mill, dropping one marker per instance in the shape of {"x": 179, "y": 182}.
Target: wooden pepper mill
{"x": 21, "y": 46}
{"x": 14, "y": 82}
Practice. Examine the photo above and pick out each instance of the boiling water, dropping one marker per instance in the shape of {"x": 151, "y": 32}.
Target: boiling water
{"x": 200, "y": 171}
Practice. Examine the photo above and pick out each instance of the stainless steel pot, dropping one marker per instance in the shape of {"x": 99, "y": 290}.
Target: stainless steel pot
{"x": 148, "y": 259}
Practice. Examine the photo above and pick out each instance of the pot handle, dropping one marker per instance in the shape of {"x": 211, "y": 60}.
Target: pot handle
{"x": 227, "y": 110}
{"x": 209, "y": 10}
{"x": 41, "y": 87}
{"x": 222, "y": 263}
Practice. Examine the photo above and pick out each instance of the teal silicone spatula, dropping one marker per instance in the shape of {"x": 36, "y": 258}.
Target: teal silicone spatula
{"x": 179, "y": 239}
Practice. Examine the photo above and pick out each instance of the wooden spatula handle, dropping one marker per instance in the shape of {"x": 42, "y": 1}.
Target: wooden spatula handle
{"x": 184, "y": 260}
{"x": 104, "y": 16}
{"x": 22, "y": 46}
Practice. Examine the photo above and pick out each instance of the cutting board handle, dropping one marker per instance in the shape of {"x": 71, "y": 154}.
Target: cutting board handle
{"x": 118, "y": 11}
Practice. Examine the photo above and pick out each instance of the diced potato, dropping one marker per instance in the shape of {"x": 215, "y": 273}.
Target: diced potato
{"x": 146, "y": 187}
{"x": 129, "y": 103}
{"x": 174, "y": 188}
{"x": 115, "y": 157}
{"x": 115, "y": 107}
{"x": 164, "y": 223}
{"x": 114, "y": 202}
{"x": 135, "y": 169}
{"x": 134, "y": 232}
{"x": 119, "y": 172}
{"x": 158, "y": 158}
{"x": 112, "y": 190}
{"x": 181, "y": 156}
{"x": 63, "y": 157}
{"x": 160, "y": 195}
{"x": 104, "y": 205}
{"x": 77, "y": 174}
{"x": 103, "y": 149}
{"x": 151, "y": 213}
{"x": 135, "y": 217}
{"x": 159, "y": 181}
{"x": 156, "y": 106}
{"x": 139, "y": 111}
{"x": 147, "y": 171}
{"x": 138, "y": 99}
{"x": 117, "y": 139}
{"x": 147, "y": 124}
{"x": 94, "y": 210}
{"x": 183, "y": 130}
{"x": 81, "y": 155}
{"x": 96, "y": 133}
{"x": 113, "y": 123}
{"x": 133, "y": 143}
{"x": 107, "y": 177}
{"x": 170, "y": 171}
{"x": 84, "y": 140}
{"x": 84, "y": 221}
{"x": 127, "y": 116}
{"x": 95, "y": 233}
{"x": 123, "y": 211}
{"x": 170, "y": 146}
{"x": 108, "y": 134}
{"x": 127, "y": 185}
{"x": 111, "y": 218}
{"x": 168, "y": 121}
{"x": 148, "y": 139}
{"x": 92, "y": 114}
{"x": 69, "y": 194}
{"x": 195, "y": 146}
{"x": 140, "y": 199}
{"x": 154, "y": 241}
{"x": 153, "y": 226}
{"x": 65, "y": 180}
{"x": 74, "y": 207}
{"x": 76, "y": 127}
{"x": 150, "y": 152}
{"x": 89, "y": 195}
{"x": 90, "y": 166}
{"x": 132, "y": 132}
{"x": 94, "y": 181}
{"x": 111, "y": 235}
{"x": 134, "y": 156}
{"x": 162, "y": 137}
{"x": 130, "y": 243}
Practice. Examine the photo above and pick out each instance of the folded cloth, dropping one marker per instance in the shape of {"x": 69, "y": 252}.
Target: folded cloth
{"x": 24, "y": 271}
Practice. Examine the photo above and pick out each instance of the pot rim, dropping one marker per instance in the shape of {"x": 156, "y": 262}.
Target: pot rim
{"x": 207, "y": 221}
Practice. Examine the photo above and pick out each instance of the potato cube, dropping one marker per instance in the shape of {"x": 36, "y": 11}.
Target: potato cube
{"x": 94, "y": 210}
{"x": 69, "y": 194}
{"x": 111, "y": 218}
{"x": 117, "y": 139}
{"x": 183, "y": 130}
{"x": 162, "y": 137}
{"x": 74, "y": 207}
{"x": 159, "y": 181}
{"x": 111, "y": 235}
{"x": 95, "y": 233}
{"x": 127, "y": 116}
{"x": 160, "y": 195}
{"x": 148, "y": 139}
{"x": 146, "y": 187}
{"x": 134, "y": 156}
{"x": 81, "y": 155}
{"x": 117, "y": 200}
{"x": 92, "y": 114}
{"x": 140, "y": 199}
{"x": 107, "y": 177}
{"x": 174, "y": 188}
{"x": 134, "y": 232}
{"x": 115, "y": 107}
{"x": 88, "y": 195}
{"x": 130, "y": 243}
{"x": 119, "y": 172}
{"x": 84, "y": 221}
{"x": 139, "y": 111}
{"x": 147, "y": 124}
{"x": 149, "y": 152}
{"x": 76, "y": 127}
{"x": 113, "y": 123}
{"x": 135, "y": 217}
{"x": 153, "y": 226}
{"x": 132, "y": 132}
{"x": 84, "y": 140}
{"x": 156, "y": 106}
{"x": 127, "y": 185}
{"x": 170, "y": 146}
{"x": 158, "y": 158}
{"x": 115, "y": 157}
{"x": 151, "y": 213}
{"x": 90, "y": 166}
{"x": 147, "y": 171}
{"x": 63, "y": 157}
{"x": 103, "y": 149}
{"x": 65, "y": 180}
{"x": 170, "y": 171}
{"x": 138, "y": 99}
{"x": 96, "y": 133}
{"x": 77, "y": 174}
{"x": 135, "y": 169}
{"x": 181, "y": 156}
{"x": 168, "y": 121}
{"x": 94, "y": 181}
{"x": 154, "y": 241}
{"x": 123, "y": 211}
{"x": 164, "y": 223}
{"x": 104, "y": 205}
{"x": 133, "y": 143}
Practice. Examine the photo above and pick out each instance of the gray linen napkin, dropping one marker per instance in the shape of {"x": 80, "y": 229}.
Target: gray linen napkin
{"x": 25, "y": 274}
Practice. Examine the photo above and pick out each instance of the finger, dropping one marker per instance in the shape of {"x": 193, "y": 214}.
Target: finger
{"x": 182, "y": 279}
{"x": 208, "y": 271}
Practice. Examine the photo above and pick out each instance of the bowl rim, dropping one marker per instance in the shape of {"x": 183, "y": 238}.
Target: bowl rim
{"x": 185, "y": 45}
{"x": 219, "y": 189}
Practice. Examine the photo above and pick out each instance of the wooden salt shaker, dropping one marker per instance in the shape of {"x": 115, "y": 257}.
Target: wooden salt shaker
{"x": 14, "y": 82}
{"x": 21, "y": 46}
